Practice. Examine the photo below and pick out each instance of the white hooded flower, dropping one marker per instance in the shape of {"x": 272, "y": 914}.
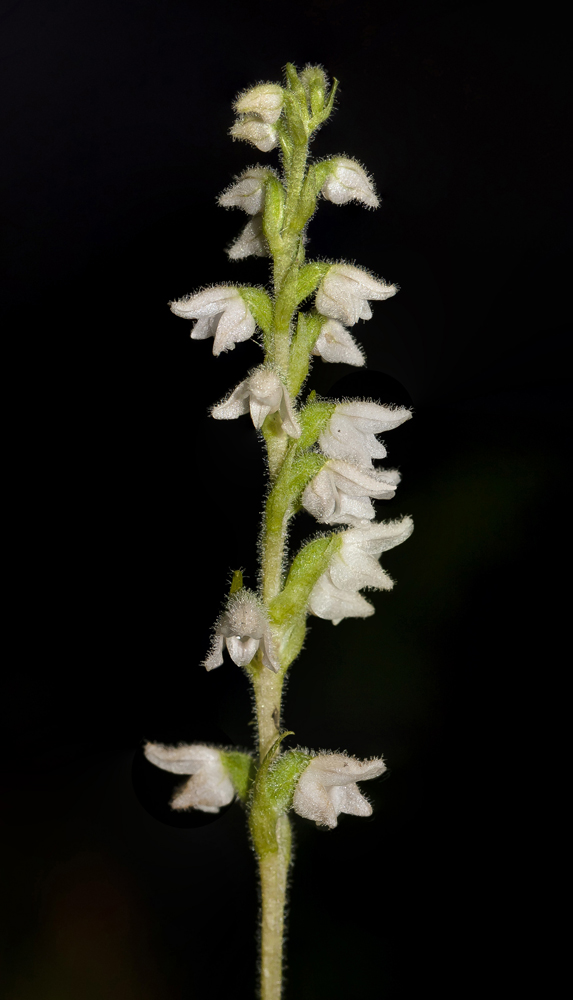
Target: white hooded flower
{"x": 265, "y": 101}
{"x": 350, "y": 432}
{"x": 261, "y": 393}
{"x": 355, "y": 566}
{"x": 248, "y": 191}
{"x": 336, "y": 344}
{"x": 349, "y": 182}
{"x": 257, "y": 132}
{"x": 328, "y": 787}
{"x": 221, "y": 312}
{"x": 251, "y": 242}
{"x": 244, "y": 629}
{"x": 340, "y": 493}
{"x": 344, "y": 292}
{"x": 209, "y": 787}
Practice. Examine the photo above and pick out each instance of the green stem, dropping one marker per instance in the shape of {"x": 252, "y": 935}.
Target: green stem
{"x": 273, "y": 870}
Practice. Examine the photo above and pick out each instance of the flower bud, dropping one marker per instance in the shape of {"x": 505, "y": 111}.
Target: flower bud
{"x": 349, "y": 182}
{"x": 265, "y": 101}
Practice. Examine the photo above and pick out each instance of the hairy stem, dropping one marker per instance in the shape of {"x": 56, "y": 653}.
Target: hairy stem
{"x": 273, "y": 869}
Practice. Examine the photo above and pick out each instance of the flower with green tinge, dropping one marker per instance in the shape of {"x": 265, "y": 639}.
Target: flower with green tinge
{"x": 265, "y": 101}
{"x": 336, "y": 344}
{"x": 244, "y": 629}
{"x": 258, "y": 133}
{"x": 328, "y": 787}
{"x": 261, "y": 393}
{"x": 351, "y": 431}
{"x": 340, "y": 493}
{"x": 251, "y": 242}
{"x": 349, "y": 182}
{"x": 221, "y": 312}
{"x": 209, "y": 787}
{"x": 344, "y": 293}
{"x": 354, "y": 566}
{"x": 247, "y": 192}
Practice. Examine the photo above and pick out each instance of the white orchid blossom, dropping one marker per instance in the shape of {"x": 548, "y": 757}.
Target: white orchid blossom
{"x": 251, "y": 242}
{"x": 209, "y": 787}
{"x": 248, "y": 191}
{"x": 355, "y": 566}
{"x": 328, "y": 787}
{"x": 257, "y": 132}
{"x": 261, "y": 393}
{"x": 336, "y": 344}
{"x": 265, "y": 101}
{"x": 344, "y": 292}
{"x": 349, "y": 182}
{"x": 340, "y": 493}
{"x": 244, "y": 629}
{"x": 351, "y": 431}
{"x": 221, "y": 312}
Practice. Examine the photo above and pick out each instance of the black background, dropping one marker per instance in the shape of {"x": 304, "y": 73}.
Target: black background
{"x": 131, "y": 505}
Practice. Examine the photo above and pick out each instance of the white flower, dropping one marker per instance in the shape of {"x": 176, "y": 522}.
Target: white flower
{"x": 265, "y": 101}
{"x": 327, "y": 787}
{"x": 336, "y": 344}
{"x": 349, "y": 182}
{"x": 210, "y": 786}
{"x": 257, "y": 132}
{"x": 221, "y": 312}
{"x": 251, "y": 241}
{"x": 354, "y": 566}
{"x": 244, "y": 628}
{"x": 344, "y": 292}
{"x": 248, "y": 191}
{"x": 261, "y": 393}
{"x": 350, "y": 432}
{"x": 340, "y": 492}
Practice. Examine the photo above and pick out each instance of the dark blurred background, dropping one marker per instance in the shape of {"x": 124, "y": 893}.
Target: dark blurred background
{"x": 130, "y": 506}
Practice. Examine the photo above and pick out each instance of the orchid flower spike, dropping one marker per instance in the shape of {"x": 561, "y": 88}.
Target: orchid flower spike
{"x": 344, "y": 292}
{"x": 351, "y": 431}
{"x": 221, "y": 312}
{"x": 336, "y": 344}
{"x": 354, "y": 566}
{"x": 328, "y": 787}
{"x": 209, "y": 787}
{"x": 261, "y": 393}
{"x": 244, "y": 629}
{"x": 248, "y": 191}
{"x": 349, "y": 182}
{"x": 340, "y": 493}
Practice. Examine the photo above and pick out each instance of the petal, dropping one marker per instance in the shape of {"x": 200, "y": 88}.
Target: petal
{"x": 183, "y": 759}
{"x": 333, "y": 604}
{"x": 288, "y": 418}
{"x": 248, "y": 192}
{"x": 215, "y": 657}
{"x": 312, "y": 801}
{"x": 208, "y": 790}
{"x": 349, "y": 799}
{"x": 242, "y": 649}
{"x": 206, "y": 303}
{"x": 235, "y": 406}
{"x": 251, "y": 242}
{"x": 336, "y": 344}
